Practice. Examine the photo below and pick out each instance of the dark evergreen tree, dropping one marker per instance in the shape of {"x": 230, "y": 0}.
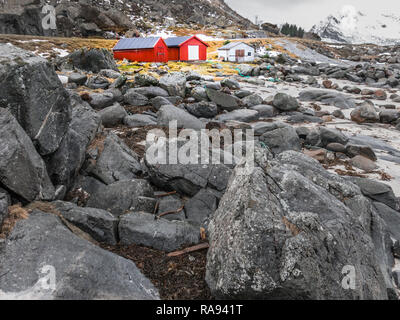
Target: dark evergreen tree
{"x": 292, "y": 30}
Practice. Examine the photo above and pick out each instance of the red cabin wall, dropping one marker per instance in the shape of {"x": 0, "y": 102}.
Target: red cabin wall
{"x": 158, "y": 54}
{"x": 140, "y": 55}
{"x": 173, "y": 54}
{"x": 184, "y": 51}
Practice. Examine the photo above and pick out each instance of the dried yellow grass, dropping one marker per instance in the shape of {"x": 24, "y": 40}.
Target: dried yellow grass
{"x": 15, "y": 214}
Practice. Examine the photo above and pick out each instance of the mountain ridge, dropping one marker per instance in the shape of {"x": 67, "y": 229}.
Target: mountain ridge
{"x": 356, "y": 27}
{"x": 95, "y": 18}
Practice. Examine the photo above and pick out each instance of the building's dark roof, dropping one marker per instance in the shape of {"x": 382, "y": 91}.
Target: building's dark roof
{"x": 176, "y": 41}
{"x": 136, "y": 43}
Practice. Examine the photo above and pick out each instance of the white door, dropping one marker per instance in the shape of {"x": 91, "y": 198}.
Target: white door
{"x": 194, "y": 52}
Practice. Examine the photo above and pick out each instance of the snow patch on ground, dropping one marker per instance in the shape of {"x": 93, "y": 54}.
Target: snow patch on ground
{"x": 33, "y": 40}
{"x": 162, "y": 33}
{"x": 61, "y": 52}
{"x": 204, "y": 37}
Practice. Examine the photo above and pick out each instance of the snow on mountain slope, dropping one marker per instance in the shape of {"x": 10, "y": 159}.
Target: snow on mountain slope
{"x": 356, "y": 27}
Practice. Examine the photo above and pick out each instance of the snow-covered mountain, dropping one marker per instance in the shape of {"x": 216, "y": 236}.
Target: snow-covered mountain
{"x": 356, "y": 27}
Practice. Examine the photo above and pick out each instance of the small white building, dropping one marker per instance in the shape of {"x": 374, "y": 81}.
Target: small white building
{"x": 236, "y": 52}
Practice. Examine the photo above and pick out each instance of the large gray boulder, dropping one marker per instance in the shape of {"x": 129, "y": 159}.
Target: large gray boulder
{"x": 282, "y": 231}
{"x": 245, "y": 69}
{"x": 389, "y": 116}
{"x": 225, "y": 101}
{"x": 151, "y": 92}
{"x": 252, "y": 100}
{"x": 101, "y": 225}
{"x": 83, "y": 187}
{"x": 284, "y": 102}
{"x": 353, "y": 150}
{"x": 201, "y": 207}
{"x": 185, "y": 120}
{"x": 377, "y": 191}
{"x": 133, "y": 98}
{"x": 230, "y": 83}
{"x": 113, "y": 115}
{"x": 143, "y": 229}
{"x": 265, "y": 111}
{"x": 282, "y": 139}
{"x": 188, "y": 179}
{"x": 262, "y": 127}
{"x": 32, "y": 91}
{"x": 146, "y": 80}
{"x": 5, "y": 202}
{"x": 110, "y": 73}
{"x": 140, "y": 120}
{"x": 113, "y": 161}
{"x": 64, "y": 165}
{"x": 200, "y": 94}
{"x": 78, "y": 78}
{"x": 338, "y": 100}
{"x": 21, "y": 17}
{"x": 93, "y": 60}
{"x": 243, "y": 115}
{"x": 171, "y": 203}
{"x": 158, "y": 102}
{"x": 174, "y": 83}
{"x": 83, "y": 271}
{"x": 329, "y": 135}
{"x": 22, "y": 170}
{"x": 308, "y": 70}
{"x": 101, "y": 100}
{"x": 365, "y": 113}
{"x": 120, "y": 197}
{"x": 98, "y": 82}
{"x": 298, "y": 117}
{"x": 381, "y": 237}
{"x": 203, "y": 109}
{"x": 391, "y": 218}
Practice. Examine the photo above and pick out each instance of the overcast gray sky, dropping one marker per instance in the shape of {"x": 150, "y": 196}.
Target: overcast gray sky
{"x": 307, "y": 12}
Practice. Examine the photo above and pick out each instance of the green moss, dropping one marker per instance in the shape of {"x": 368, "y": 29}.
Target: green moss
{"x": 19, "y": 61}
{"x": 281, "y": 59}
{"x": 128, "y": 67}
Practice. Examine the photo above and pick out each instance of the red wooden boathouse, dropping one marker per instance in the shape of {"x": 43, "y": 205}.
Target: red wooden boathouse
{"x": 189, "y": 48}
{"x": 153, "y": 49}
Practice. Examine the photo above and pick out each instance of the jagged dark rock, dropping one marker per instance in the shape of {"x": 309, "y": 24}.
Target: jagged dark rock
{"x": 64, "y": 165}
{"x": 282, "y": 139}
{"x": 120, "y": 197}
{"x": 142, "y": 229}
{"x": 32, "y": 91}
{"x": 93, "y": 60}
{"x": 22, "y": 170}
{"x": 113, "y": 115}
{"x": 289, "y": 204}
{"x": 113, "y": 161}
{"x": 184, "y": 119}
{"x": 5, "y": 202}
{"x": 83, "y": 270}
{"x": 99, "y": 224}
{"x": 203, "y": 109}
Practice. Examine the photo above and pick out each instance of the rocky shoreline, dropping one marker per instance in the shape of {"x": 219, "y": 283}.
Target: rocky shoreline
{"x": 79, "y": 192}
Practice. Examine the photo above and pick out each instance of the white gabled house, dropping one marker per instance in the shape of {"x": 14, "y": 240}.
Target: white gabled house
{"x": 236, "y": 52}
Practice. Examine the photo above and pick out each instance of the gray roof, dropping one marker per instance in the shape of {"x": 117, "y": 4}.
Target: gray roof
{"x": 232, "y": 45}
{"x": 176, "y": 41}
{"x": 136, "y": 43}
